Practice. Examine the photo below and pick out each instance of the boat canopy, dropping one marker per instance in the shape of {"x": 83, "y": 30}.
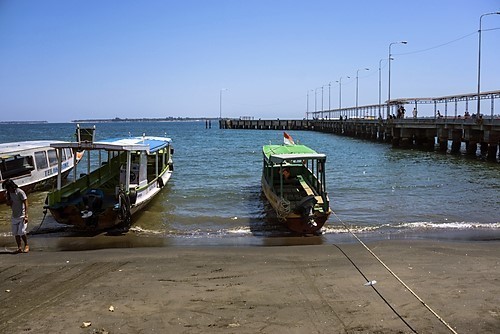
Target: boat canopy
{"x": 281, "y": 153}
{"x": 8, "y": 149}
{"x": 147, "y": 143}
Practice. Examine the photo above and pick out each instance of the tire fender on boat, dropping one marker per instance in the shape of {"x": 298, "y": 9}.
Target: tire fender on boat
{"x": 160, "y": 182}
{"x": 124, "y": 213}
{"x": 132, "y": 196}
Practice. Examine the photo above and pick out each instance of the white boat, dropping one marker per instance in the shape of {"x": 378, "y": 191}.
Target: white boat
{"x": 33, "y": 165}
{"x": 130, "y": 172}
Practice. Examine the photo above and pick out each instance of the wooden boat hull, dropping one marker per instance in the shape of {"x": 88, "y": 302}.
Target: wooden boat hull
{"x": 117, "y": 210}
{"x": 294, "y": 221}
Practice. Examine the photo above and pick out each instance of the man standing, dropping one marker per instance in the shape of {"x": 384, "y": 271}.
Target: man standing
{"x": 18, "y": 201}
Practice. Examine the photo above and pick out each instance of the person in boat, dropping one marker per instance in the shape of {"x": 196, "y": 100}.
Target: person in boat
{"x": 288, "y": 178}
{"x": 18, "y": 201}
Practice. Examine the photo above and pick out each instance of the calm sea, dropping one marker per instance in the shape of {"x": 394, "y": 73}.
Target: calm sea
{"x": 376, "y": 191}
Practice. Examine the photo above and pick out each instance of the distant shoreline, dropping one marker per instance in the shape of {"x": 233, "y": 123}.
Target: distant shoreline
{"x": 112, "y": 120}
{"x": 165, "y": 119}
{"x": 23, "y": 122}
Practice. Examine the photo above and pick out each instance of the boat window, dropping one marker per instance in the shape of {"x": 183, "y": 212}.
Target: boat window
{"x": 52, "y": 157}
{"x": 16, "y": 166}
{"x": 63, "y": 153}
{"x": 69, "y": 153}
{"x": 41, "y": 160}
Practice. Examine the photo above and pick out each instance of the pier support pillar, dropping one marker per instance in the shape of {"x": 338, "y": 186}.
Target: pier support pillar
{"x": 492, "y": 152}
{"x": 396, "y": 137}
{"x": 471, "y": 148}
{"x": 443, "y": 144}
{"x": 456, "y": 137}
{"x": 484, "y": 149}
{"x": 388, "y": 137}
{"x": 493, "y": 139}
{"x": 443, "y": 139}
{"x": 406, "y": 140}
{"x": 380, "y": 133}
{"x": 425, "y": 139}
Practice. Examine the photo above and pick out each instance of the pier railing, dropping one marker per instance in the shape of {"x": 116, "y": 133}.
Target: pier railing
{"x": 444, "y": 106}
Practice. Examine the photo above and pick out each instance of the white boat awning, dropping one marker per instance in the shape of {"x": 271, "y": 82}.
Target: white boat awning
{"x": 279, "y": 158}
{"x": 148, "y": 144}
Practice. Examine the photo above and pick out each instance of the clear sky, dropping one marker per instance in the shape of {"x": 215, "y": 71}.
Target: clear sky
{"x": 62, "y": 60}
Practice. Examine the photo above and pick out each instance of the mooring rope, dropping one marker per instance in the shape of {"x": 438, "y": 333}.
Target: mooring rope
{"x": 395, "y": 276}
{"x": 375, "y": 289}
{"x": 39, "y": 226}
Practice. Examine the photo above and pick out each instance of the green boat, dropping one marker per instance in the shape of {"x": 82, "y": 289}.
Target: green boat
{"x": 131, "y": 172}
{"x": 293, "y": 181}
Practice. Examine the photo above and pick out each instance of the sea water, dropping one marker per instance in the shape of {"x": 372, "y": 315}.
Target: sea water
{"x": 214, "y": 193}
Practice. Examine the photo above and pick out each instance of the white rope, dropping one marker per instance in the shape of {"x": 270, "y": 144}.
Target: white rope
{"x": 283, "y": 209}
{"x": 396, "y": 276}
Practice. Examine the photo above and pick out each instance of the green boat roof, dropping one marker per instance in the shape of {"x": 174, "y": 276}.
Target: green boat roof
{"x": 280, "y": 153}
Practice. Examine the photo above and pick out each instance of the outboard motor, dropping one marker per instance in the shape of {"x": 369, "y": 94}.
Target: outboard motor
{"x": 93, "y": 200}
{"x": 305, "y": 208}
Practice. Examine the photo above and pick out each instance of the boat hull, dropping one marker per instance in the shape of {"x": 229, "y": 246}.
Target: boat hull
{"x": 117, "y": 211}
{"x": 293, "y": 221}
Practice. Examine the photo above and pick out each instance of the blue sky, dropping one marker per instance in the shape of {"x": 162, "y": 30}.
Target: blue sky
{"x": 63, "y": 60}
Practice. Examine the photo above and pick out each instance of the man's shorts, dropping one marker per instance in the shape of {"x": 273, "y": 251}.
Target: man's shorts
{"x": 19, "y": 226}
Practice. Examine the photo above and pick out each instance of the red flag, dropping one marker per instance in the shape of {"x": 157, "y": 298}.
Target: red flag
{"x": 287, "y": 139}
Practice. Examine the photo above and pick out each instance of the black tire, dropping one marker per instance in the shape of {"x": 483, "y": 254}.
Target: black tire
{"x": 132, "y": 196}
{"x": 124, "y": 214}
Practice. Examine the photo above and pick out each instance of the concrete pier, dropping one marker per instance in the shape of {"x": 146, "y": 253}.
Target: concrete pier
{"x": 442, "y": 134}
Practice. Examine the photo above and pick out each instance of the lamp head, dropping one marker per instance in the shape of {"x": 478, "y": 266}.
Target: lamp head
{"x": 404, "y": 42}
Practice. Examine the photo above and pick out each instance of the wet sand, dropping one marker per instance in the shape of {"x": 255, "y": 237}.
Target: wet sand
{"x": 265, "y": 289}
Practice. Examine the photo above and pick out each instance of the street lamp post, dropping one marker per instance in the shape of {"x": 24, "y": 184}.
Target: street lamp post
{"x": 357, "y": 79}
{"x": 380, "y": 87}
{"x": 340, "y": 92}
{"x": 220, "y": 102}
{"x": 389, "y": 78}
{"x": 329, "y": 100}
{"x": 315, "y": 99}
{"x": 322, "y": 101}
{"x": 307, "y": 105}
{"x": 479, "y": 64}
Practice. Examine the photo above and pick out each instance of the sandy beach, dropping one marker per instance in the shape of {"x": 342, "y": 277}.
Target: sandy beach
{"x": 265, "y": 289}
